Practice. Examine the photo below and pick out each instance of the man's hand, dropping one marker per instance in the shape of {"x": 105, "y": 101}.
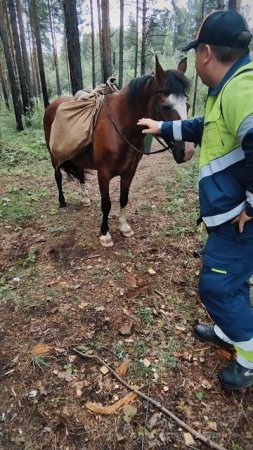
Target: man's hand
{"x": 241, "y": 219}
{"x": 189, "y": 148}
{"x": 153, "y": 126}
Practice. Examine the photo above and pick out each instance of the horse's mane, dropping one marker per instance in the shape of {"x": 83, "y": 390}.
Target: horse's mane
{"x": 136, "y": 86}
{"x": 175, "y": 83}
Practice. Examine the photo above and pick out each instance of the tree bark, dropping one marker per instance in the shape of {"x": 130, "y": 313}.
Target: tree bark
{"x": 100, "y": 37}
{"x": 144, "y": 38}
{"x": 106, "y": 41}
{"x": 196, "y": 76}
{"x": 35, "y": 24}
{"x": 234, "y": 4}
{"x": 4, "y": 85}
{"x": 19, "y": 59}
{"x": 121, "y": 39}
{"x": 56, "y": 65}
{"x": 136, "y": 40}
{"x": 13, "y": 82}
{"x": 73, "y": 45}
{"x": 92, "y": 45}
{"x": 24, "y": 51}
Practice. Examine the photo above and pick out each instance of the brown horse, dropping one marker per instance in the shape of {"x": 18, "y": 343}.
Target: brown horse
{"x": 117, "y": 140}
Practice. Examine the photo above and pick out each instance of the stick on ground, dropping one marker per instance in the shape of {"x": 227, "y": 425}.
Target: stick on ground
{"x": 158, "y": 405}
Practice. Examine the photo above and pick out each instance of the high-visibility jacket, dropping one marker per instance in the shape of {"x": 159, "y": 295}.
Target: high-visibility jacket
{"x": 222, "y": 185}
{"x": 225, "y": 135}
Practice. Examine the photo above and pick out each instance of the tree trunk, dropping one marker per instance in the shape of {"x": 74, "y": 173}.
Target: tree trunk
{"x": 19, "y": 59}
{"x": 144, "y": 38}
{"x": 196, "y": 76}
{"x": 35, "y": 24}
{"x": 136, "y": 40}
{"x": 106, "y": 41}
{"x": 4, "y": 85}
{"x": 92, "y": 45}
{"x": 56, "y": 65}
{"x": 66, "y": 59}
{"x": 100, "y": 37}
{"x": 73, "y": 44}
{"x": 24, "y": 51}
{"x": 221, "y": 4}
{"x": 121, "y": 38}
{"x": 13, "y": 82}
{"x": 10, "y": 35}
{"x": 234, "y": 4}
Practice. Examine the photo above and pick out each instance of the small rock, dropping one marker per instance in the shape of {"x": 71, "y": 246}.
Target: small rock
{"x": 125, "y": 330}
{"x": 151, "y": 271}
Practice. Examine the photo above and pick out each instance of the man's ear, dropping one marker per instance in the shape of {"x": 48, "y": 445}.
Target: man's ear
{"x": 208, "y": 53}
{"x": 182, "y": 66}
{"x": 159, "y": 72}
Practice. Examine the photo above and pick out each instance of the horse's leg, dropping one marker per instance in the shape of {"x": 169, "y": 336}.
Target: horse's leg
{"x": 58, "y": 179}
{"x": 104, "y": 181}
{"x": 125, "y": 182}
{"x": 84, "y": 191}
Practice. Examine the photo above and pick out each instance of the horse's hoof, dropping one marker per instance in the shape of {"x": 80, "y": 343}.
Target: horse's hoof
{"x": 106, "y": 241}
{"x": 128, "y": 233}
{"x": 126, "y": 230}
{"x": 63, "y": 205}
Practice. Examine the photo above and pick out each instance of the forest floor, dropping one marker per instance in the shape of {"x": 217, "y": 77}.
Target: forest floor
{"x": 134, "y": 302}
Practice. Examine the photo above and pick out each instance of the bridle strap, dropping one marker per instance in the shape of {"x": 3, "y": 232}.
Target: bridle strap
{"x": 118, "y": 129}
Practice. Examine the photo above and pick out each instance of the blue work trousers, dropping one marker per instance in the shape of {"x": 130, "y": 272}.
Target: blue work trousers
{"x": 224, "y": 279}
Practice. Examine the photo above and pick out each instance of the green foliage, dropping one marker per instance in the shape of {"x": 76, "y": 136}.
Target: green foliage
{"x": 146, "y": 315}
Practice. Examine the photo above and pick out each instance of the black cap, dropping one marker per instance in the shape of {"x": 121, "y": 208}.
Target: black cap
{"x": 222, "y": 28}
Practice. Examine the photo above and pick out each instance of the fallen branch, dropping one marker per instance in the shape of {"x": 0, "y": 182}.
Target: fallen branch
{"x": 166, "y": 411}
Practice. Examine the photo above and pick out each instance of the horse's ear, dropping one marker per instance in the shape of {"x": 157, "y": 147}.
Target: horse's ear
{"x": 182, "y": 66}
{"x": 159, "y": 72}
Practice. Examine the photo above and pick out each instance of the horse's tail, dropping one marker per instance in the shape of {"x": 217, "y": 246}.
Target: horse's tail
{"x": 73, "y": 172}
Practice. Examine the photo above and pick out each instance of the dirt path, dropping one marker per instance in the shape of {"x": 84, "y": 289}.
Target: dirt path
{"x": 136, "y": 301}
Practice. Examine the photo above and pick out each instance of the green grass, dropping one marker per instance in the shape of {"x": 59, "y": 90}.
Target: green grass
{"x": 21, "y": 148}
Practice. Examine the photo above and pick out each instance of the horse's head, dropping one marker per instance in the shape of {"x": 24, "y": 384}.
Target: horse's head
{"x": 172, "y": 90}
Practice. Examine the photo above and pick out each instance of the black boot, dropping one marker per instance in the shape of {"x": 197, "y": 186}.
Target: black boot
{"x": 199, "y": 252}
{"x": 205, "y": 333}
{"x": 236, "y": 376}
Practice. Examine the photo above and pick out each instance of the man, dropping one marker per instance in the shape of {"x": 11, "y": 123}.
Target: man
{"x": 225, "y": 185}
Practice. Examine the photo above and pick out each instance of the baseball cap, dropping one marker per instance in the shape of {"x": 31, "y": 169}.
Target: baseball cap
{"x": 221, "y": 28}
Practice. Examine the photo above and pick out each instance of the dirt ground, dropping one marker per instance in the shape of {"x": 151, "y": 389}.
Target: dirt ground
{"x": 134, "y": 302}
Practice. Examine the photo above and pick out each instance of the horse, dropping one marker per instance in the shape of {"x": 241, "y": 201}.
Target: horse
{"x": 117, "y": 143}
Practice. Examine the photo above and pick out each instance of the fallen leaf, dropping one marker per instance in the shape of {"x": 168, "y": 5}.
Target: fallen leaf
{"x": 212, "y": 426}
{"x": 104, "y": 370}
{"x": 188, "y": 439}
{"x": 206, "y": 385}
{"x": 226, "y": 356}
{"x": 123, "y": 368}
{"x": 41, "y": 349}
{"x": 111, "y": 409}
{"x": 125, "y": 330}
{"x": 146, "y": 362}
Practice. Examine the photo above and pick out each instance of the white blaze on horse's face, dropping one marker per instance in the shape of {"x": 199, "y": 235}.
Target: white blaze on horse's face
{"x": 179, "y": 104}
